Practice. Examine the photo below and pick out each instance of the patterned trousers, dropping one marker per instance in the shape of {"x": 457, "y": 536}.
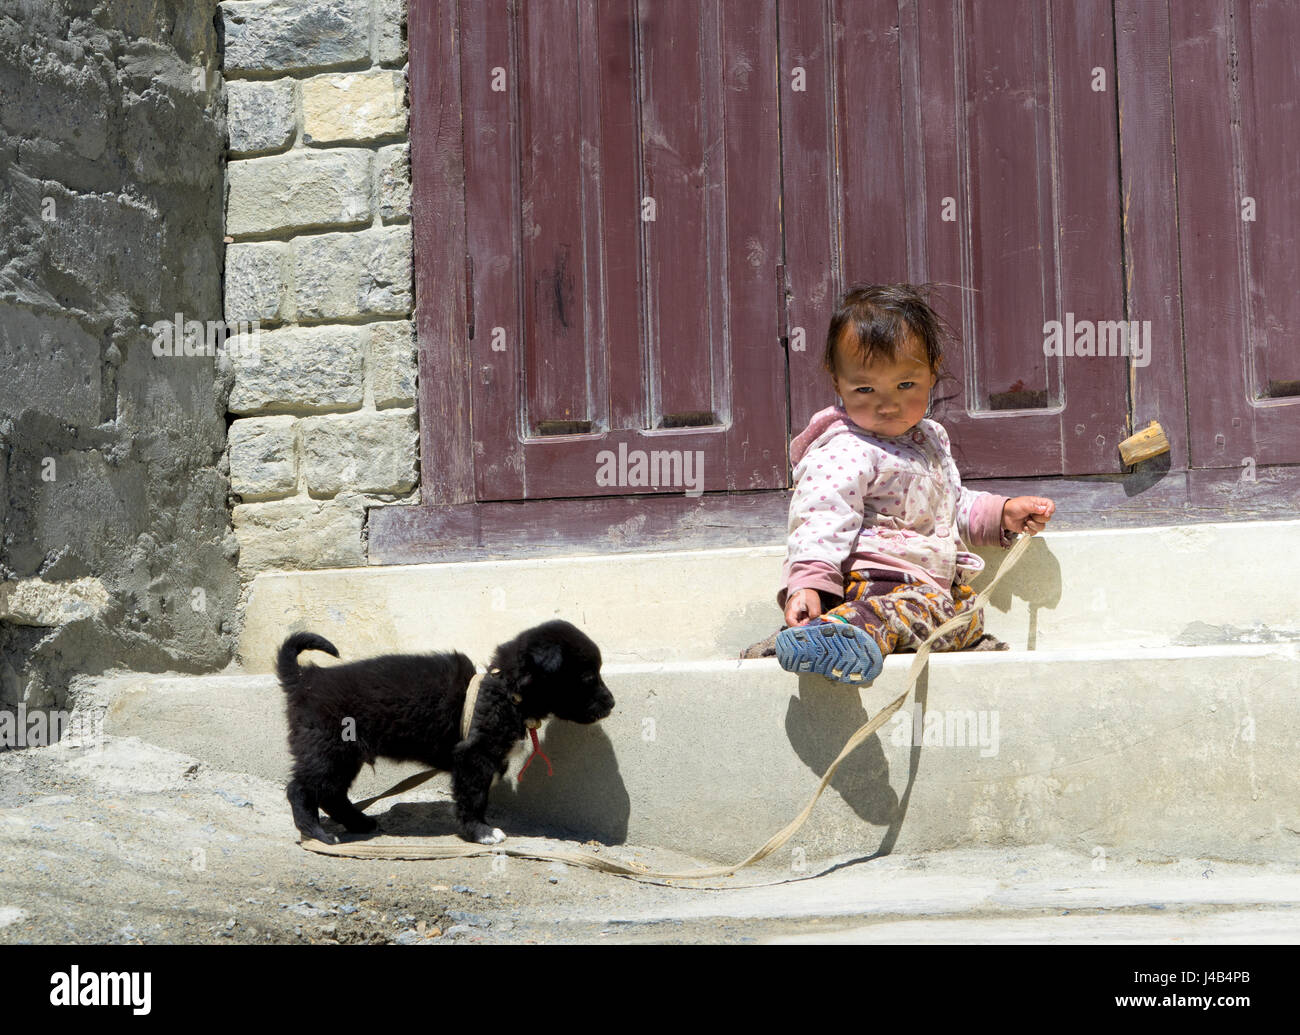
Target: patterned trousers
{"x": 899, "y": 611}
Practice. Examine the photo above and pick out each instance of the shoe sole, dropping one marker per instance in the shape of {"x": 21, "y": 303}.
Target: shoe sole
{"x": 831, "y": 649}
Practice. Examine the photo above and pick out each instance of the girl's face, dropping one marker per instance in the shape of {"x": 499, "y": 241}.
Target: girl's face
{"x": 883, "y": 398}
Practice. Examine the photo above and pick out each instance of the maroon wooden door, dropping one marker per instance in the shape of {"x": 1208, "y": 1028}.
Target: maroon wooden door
{"x": 621, "y": 190}
{"x": 1236, "y": 78}
{"x": 964, "y": 144}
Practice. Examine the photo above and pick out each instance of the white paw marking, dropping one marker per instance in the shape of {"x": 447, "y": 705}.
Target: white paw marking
{"x": 494, "y": 838}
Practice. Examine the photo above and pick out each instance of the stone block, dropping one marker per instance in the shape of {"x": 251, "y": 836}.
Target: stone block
{"x": 262, "y": 457}
{"x": 390, "y": 34}
{"x": 301, "y": 370}
{"x": 257, "y": 281}
{"x": 285, "y": 35}
{"x": 393, "y": 187}
{"x": 300, "y": 533}
{"x": 260, "y": 116}
{"x": 298, "y": 190}
{"x": 392, "y": 363}
{"x": 361, "y": 452}
{"x": 359, "y": 274}
{"x": 354, "y": 106}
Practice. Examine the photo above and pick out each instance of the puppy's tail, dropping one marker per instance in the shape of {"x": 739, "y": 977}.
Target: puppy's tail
{"x": 286, "y": 662}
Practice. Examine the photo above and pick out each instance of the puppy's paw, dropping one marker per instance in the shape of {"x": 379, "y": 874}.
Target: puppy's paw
{"x": 364, "y": 825}
{"x": 481, "y": 834}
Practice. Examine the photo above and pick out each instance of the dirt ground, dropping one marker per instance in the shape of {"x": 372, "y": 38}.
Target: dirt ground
{"x": 125, "y": 842}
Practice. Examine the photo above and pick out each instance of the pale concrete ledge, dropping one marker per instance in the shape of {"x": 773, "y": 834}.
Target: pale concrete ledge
{"x": 1196, "y": 584}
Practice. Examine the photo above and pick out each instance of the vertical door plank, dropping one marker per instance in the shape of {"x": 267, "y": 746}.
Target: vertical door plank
{"x": 875, "y": 195}
{"x": 613, "y": 164}
{"x": 681, "y": 141}
{"x": 559, "y": 345}
{"x": 438, "y": 218}
{"x": 755, "y": 372}
{"x": 1266, "y": 33}
{"x": 1014, "y": 269}
{"x": 488, "y": 60}
{"x": 752, "y": 359}
{"x": 810, "y": 204}
{"x": 1150, "y": 217}
{"x": 1087, "y": 222}
{"x": 1209, "y": 235}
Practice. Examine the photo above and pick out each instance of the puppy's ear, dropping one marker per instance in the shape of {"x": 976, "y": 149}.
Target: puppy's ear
{"x": 546, "y": 657}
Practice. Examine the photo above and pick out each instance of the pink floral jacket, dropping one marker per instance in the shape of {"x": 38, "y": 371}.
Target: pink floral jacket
{"x": 871, "y": 501}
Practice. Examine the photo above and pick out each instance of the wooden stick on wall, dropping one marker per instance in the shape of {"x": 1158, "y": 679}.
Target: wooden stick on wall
{"x": 1148, "y": 442}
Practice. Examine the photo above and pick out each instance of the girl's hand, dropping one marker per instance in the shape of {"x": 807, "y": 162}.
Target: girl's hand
{"x": 1028, "y": 514}
{"x": 802, "y": 606}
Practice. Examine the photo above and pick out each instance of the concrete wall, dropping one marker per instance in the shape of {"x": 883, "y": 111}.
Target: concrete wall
{"x": 117, "y": 549}
{"x": 318, "y": 212}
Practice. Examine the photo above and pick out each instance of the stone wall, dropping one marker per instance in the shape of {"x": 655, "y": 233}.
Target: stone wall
{"x": 116, "y": 549}
{"x": 319, "y": 254}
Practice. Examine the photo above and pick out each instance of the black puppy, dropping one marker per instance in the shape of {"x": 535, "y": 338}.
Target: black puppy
{"x": 408, "y": 707}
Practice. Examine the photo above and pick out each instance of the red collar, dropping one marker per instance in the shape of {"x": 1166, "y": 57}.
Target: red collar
{"x": 537, "y": 750}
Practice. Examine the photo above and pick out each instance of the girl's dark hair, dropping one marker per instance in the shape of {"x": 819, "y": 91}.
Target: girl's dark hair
{"x": 882, "y": 317}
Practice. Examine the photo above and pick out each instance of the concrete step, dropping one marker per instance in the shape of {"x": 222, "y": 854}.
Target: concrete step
{"x": 1167, "y": 752}
{"x": 1192, "y": 585}
{"x": 1032, "y": 894}
{"x": 1176, "y": 923}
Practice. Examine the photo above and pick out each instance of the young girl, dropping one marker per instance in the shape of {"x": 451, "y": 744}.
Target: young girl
{"x": 880, "y": 526}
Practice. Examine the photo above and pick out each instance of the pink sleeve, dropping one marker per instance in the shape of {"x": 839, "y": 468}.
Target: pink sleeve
{"x": 811, "y": 575}
{"x": 979, "y": 514}
{"x": 979, "y": 518}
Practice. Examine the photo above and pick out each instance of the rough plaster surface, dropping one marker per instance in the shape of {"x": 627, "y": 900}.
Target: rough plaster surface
{"x": 111, "y": 467}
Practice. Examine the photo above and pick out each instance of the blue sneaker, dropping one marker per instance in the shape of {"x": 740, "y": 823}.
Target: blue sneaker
{"x": 832, "y": 649}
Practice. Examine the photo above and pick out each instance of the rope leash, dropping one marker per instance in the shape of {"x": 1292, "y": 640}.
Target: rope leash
{"x": 461, "y": 850}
